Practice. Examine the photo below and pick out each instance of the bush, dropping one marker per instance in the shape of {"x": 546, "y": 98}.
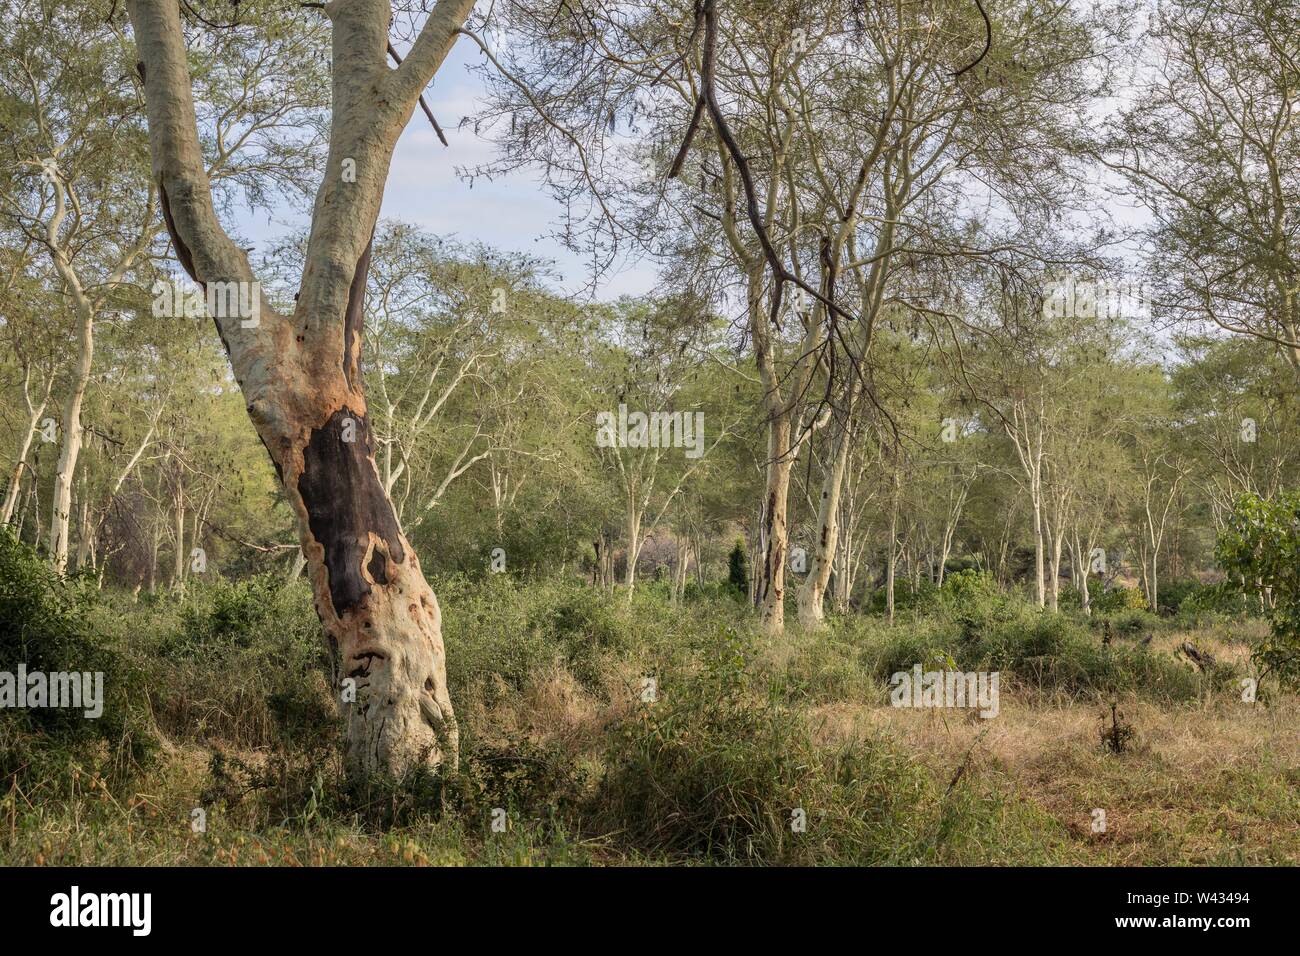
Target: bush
{"x": 1049, "y": 652}
{"x": 738, "y": 570}
{"x": 49, "y": 624}
{"x": 1260, "y": 549}
{"x": 225, "y": 612}
{"x": 709, "y": 771}
{"x": 1132, "y": 622}
{"x": 1176, "y": 592}
{"x": 1119, "y": 599}
{"x": 500, "y": 632}
{"x": 906, "y": 597}
{"x": 971, "y": 587}
{"x": 1225, "y": 598}
{"x": 246, "y": 664}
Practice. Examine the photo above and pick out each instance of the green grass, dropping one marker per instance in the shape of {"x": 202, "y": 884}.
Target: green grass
{"x": 230, "y": 712}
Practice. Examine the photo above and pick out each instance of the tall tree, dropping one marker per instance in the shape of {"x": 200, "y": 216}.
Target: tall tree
{"x": 1211, "y": 147}
{"x": 299, "y": 370}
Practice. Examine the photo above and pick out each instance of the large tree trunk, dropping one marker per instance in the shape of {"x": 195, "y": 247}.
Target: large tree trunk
{"x": 1040, "y": 570}
{"x": 811, "y": 596}
{"x": 891, "y": 563}
{"x": 70, "y": 451}
{"x": 770, "y": 579}
{"x": 300, "y": 377}
{"x": 632, "y": 529}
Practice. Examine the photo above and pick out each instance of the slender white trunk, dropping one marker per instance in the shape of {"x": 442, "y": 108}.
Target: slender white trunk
{"x": 632, "y": 528}
{"x": 811, "y": 596}
{"x": 770, "y": 588}
{"x": 24, "y": 449}
{"x": 70, "y": 451}
{"x": 1040, "y": 591}
{"x": 178, "y": 572}
{"x": 893, "y": 551}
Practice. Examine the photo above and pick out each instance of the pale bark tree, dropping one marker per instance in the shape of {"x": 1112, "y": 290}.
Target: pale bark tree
{"x": 36, "y": 405}
{"x": 1160, "y": 477}
{"x": 300, "y": 374}
{"x": 892, "y": 545}
{"x": 90, "y": 203}
{"x": 1210, "y": 145}
{"x": 748, "y": 85}
{"x": 857, "y": 505}
{"x": 1027, "y": 429}
{"x": 86, "y": 307}
{"x": 826, "y": 545}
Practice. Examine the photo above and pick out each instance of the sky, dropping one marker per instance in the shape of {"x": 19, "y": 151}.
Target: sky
{"x": 512, "y": 213}
{"x": 516, "y": 212}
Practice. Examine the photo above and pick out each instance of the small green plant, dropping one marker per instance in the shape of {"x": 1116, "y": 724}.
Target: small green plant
{"x": 969, "y": 586}
{"x": 1119, "y": 599}
{"x": 1259, "y": 548}
{"x": 52, "y": 625}
{"x": 738, "y": 569}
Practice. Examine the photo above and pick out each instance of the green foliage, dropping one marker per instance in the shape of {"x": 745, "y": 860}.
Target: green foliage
{"x": 1119, "y": 599}
{"x": 228, "y": 612}
{"x": 738, "y": 569}
{"x": 1225, "y": 598}
{"x": 710, "y": 772}
{"x": 1260, "y": 550}
{"x": 244, "y": 662}
{"x": 48, "y": 624}
{"x": 1132, "y": 621}
{"x": 1050, "y": 653}
{"x": 906, "y": 596}
{"x": 971, "y": 595}
{"x": 500, "y": 632}
{"x": 1174, "y": 593}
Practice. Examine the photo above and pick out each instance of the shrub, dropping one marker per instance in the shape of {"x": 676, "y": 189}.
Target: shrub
{"x": 49, "y": 624}
{"x": 1260, "y": 548}
{"x": 1132, "y": 622}
{"x": 738, "y": 569}
{"x": 1049, "y": 652}
{"x": 226, "y": 612}
{"x": 971, "y": 587}
{"x": 1225, "y": 598}
{"x": 1176, "y": 592}
{"x": 709, "y": 771}
{"x": 244, "y": 664}
{"x": 906, "y": 597}
{"x": 500, "y": 631}
{"x": 1119, "y": 599}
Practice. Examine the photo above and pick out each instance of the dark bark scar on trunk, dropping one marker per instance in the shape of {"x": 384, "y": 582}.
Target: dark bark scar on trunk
{"x": 182, "y": 251}
{"x": 345, "y": 504}
{"x": 186, "y": 259}
{"x": 377, "y": 567}
{"x": 355, "y": 316}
